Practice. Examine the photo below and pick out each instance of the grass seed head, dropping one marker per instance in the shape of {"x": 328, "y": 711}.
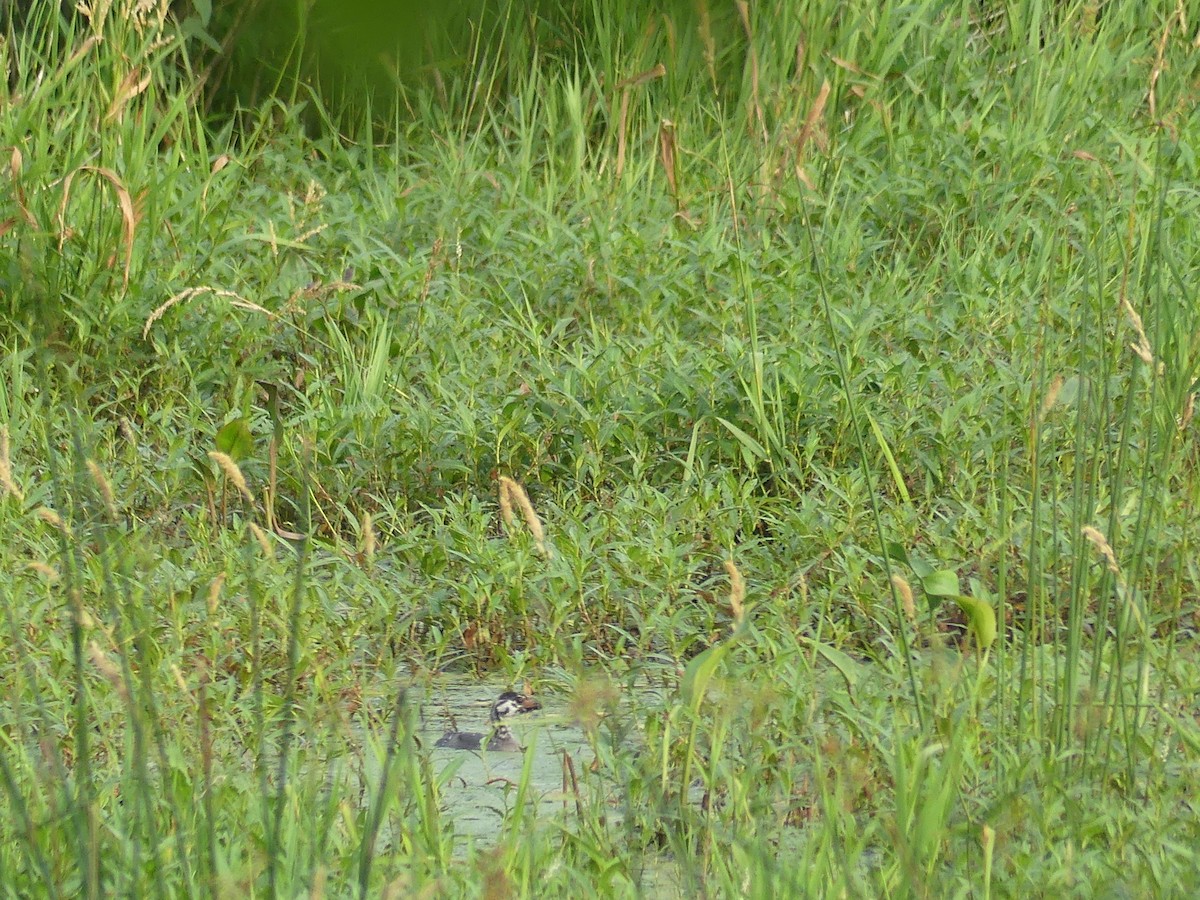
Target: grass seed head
{"x": 232, "y": 472}
{"x": 1100, "y": 542}
{"x": 737, "y": 592}
{"x": 106, "y": 491}
{"x": 506, "y": 510}
{"x": 368, "y": 537}
{"x": 7, "y": 482}
{"x": 263, "y": 541}
{"x": 107, "y": 668}
{"x": 1051, "y": 398}
{"x": 46, "y": 570}
{"x": 512, "y": 493}
{"x": 906, "y": 597}
{"x": 1141, "y": 347}
{"x": 214, "y": 593}
{"x": 50, "y": 517}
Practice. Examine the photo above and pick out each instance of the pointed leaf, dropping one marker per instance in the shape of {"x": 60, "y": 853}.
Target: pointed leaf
{"x": 850, "y": 670}
{"x": 980, "y": 617}
{"x": 752, "y": 450}
{"x": 235, "y": 440}
{"x": 920, "y": 568}
{"x": 703, "y": 666}
{"x": 699, "y": 673}
{"x": 942, "y": 583}
{"x": 897, "y": 477}
{"x": 1070, "y": 391}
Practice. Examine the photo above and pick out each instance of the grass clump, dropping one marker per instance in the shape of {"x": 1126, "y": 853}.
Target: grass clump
{"x": 803, "y": 399}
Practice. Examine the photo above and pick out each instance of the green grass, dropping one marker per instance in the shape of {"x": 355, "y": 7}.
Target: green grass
{"x": 863, "y": 340}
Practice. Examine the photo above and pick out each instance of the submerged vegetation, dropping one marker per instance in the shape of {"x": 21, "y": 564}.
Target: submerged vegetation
{"x": 800, "y": 395}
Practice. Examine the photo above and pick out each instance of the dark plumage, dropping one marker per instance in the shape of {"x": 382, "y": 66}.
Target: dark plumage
{"x": 499, "y": 738}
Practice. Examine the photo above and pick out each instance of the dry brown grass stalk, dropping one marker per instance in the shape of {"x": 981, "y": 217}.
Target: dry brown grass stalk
{"x": 622, "y": 125}
{"x": 1102, "y": 546}
{"x": 435, "y": 256}
{"x": 666, "y": 149}
{"x": 625, "y": 87}
{"x": 1177, "y": 17}
{"x": 15, "y": 161}
{"x": 758, "y": 120}
{"x": 1100, "y": 542}
{"x": 124, "y": 201}
{"x": 135, "y": 82}
{"x": 1189, "y": 410}
{"x": 812, "y": 128}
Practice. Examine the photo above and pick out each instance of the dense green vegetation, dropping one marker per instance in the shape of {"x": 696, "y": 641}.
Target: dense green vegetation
{"x": 845, "y": 353}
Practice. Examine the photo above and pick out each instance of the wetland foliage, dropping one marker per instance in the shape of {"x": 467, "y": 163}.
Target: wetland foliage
{"x": 797, "y": 399}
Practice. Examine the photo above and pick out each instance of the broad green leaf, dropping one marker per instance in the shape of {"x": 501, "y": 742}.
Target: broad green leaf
{"x": 204, "y": 468}
{"x": 980, "y": 617}
{"x": 1070, "y": 391}
{"x": 235, "y": 440}
{"x": 850, "y": 670}
{"x": 942, "y": 583}
{"x": 699, "y": 673}
{"x": 700, "y": 670}
{"x": 752, "y": 450}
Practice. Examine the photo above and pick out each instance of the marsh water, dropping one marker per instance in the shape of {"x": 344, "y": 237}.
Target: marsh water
{"x": 482, "y": 787}
{"x": 482, "y": 784}
{"x": 478, "y": 791}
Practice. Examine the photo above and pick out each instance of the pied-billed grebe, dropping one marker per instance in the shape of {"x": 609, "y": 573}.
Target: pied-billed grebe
{"x": 499, "y": 738}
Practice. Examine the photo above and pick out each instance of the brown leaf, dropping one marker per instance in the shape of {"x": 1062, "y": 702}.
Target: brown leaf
{"x": 666, "y": 148}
